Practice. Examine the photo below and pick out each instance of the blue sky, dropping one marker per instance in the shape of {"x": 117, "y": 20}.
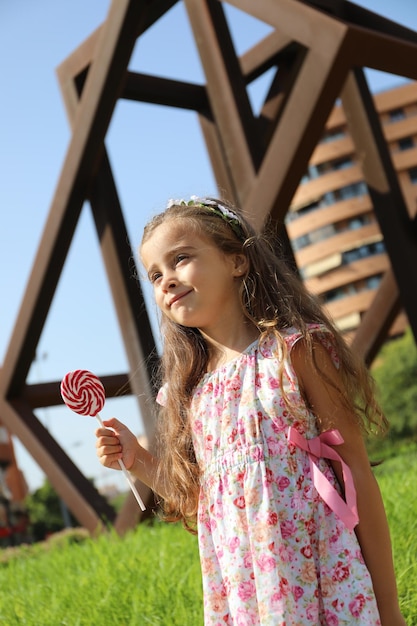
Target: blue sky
{"x": 156, "y": 153}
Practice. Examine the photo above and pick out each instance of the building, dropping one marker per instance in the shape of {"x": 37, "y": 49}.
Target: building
{"x": 335, "y": 236}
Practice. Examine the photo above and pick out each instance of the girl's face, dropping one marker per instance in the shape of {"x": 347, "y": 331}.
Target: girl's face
{"x": 195, "y": 283}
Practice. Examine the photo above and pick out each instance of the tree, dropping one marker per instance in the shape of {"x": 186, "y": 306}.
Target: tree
{"x": 395, "y": 373}
{"x": 47, "y": 512}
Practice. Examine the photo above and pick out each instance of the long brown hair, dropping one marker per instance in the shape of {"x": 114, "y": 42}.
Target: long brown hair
{"x": 274, "y": 299}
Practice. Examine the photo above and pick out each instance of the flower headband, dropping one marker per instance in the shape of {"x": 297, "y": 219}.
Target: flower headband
{"x": 226, "y": 214}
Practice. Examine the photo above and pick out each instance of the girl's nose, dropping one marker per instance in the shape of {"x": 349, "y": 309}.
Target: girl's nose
{"x": 168, "y": 282}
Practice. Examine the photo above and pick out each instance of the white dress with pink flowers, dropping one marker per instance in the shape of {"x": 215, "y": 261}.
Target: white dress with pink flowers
{"x": 273, "y": 553}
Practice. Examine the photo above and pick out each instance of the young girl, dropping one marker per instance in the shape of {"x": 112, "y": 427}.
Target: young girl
{"x": 262, "y": 415}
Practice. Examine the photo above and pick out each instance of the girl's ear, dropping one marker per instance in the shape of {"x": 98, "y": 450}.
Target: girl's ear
{"x": 240, "y": 264}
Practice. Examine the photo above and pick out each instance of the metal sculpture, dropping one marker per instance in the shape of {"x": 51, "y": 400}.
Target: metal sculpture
{"x": 318, "y": 50}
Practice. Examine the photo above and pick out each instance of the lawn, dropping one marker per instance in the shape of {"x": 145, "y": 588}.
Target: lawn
{"x": 152, "y": 576}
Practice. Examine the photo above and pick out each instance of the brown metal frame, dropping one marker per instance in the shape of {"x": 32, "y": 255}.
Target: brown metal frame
{"x": 317, "y": 49}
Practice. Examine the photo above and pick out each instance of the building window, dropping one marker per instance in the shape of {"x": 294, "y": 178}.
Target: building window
{"x": 342, "y": 164}
{"x": 300, "y": 242}
{"x": 379, "y": 247}
{"x": 396, "y": 114}
{"x": 359, "y": 221}
{"x": 362, "y": 252}
{"x": 329, "y": 230}
{"x": 334, "y": 166}
{"x": 323, "y": 168}
{"x": 333, "y": 134}
{"x": 372, "y": 282}
{"x": 294, "y": 215}
{"x": 320, "y": 234}
{"x": 334, "y": 294}
{"x": 331, "y": 197}
{"x": 313, "y": 172}
{"x": 352, "y": 191}
{"x": 406, "y": 143}
{"x": 412, "y": 173}
{"x": 328, "y": 199}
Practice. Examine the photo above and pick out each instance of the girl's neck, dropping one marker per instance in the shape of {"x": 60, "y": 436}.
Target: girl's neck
{"x": 226, "y": 350}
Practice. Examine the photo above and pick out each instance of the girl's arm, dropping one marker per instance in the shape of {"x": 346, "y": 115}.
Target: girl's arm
{"x": 116, "y": 442}
{"x": 372, "y": 531}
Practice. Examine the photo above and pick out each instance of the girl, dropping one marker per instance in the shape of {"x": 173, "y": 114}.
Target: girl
{"x": 262, "y": 415}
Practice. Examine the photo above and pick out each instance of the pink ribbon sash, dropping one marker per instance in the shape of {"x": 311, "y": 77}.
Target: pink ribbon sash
{"x": 319, "y": 447}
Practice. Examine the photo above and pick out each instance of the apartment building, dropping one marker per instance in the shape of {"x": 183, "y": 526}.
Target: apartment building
{"x": 331, "y": 223}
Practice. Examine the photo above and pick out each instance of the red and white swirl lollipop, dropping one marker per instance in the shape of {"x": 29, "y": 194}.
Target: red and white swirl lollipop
{"x": 83, "y": 392}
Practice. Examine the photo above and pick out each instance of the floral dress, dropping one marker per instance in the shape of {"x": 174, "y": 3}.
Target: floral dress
{"x": 273, "y": 553}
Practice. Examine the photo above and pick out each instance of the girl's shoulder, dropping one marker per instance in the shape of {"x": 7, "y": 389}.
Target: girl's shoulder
{"x": 272, "y": 342}
{"x": 318, "y": 332}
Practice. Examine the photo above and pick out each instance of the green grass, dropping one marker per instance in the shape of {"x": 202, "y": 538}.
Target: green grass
{"x": 152, "y": 575}
{"x": 397, "y": 480}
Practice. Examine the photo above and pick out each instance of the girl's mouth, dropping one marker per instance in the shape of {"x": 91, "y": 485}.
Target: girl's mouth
{"x": 178, "y": 297}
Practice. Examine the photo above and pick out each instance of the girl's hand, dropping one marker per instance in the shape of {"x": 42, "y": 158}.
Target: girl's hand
{"x": 116, "y": 442}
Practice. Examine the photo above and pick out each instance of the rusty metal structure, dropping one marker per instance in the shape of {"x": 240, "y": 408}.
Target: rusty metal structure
{"x": 317, "y": 49}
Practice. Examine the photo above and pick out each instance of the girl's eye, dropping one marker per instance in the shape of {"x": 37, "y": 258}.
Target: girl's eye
{"x": 180, "y": 257}
{"x": 154, "y": 277}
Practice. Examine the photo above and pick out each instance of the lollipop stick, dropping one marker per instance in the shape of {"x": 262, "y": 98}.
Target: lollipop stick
{"x": 127, "y": 475}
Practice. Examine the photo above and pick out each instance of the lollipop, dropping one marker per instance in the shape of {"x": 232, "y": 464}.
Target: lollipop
{"x": 84, "y": 394}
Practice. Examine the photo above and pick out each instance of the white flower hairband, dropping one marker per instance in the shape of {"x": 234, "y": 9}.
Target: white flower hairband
{"x": 222, "y": 211}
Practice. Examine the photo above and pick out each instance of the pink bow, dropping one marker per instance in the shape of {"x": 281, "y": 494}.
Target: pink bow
{"x": 319, "y": 447}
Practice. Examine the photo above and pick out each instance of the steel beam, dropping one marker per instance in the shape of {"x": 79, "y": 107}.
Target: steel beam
{"x": 264, "y": 55}
{"x": 301, "y": 124}
{"x": 82, "y": 57}
{"x": 226, "y": 90}
{"x": 89, "y": 507}
{"x": 103, "y": 85}
{"x": 356, "y": 16}
{"x": 42, "y": 395}
{"x": 389, "y": 205}
{"x": 258, "y": 163}
{"x": 172, "y": 93}
{"x": 378, "y": 319}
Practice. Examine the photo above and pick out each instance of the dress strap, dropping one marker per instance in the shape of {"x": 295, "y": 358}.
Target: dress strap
{"x": 319, "y": 447}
